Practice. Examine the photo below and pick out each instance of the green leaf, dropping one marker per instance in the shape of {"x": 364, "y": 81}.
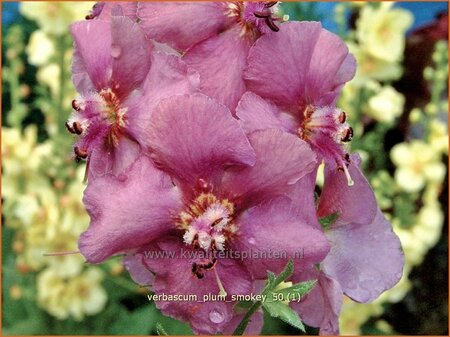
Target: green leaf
{"x": 297, "y": 290}
{"x": 140, "y": 320}
{"x": 160, "y": 330}
{"x": 328, "y": 220}
{"x": 285, "y": 313}
{"x": 285, "y": 274}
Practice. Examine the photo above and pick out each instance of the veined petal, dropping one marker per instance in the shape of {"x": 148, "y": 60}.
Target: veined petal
{"x": 92, "y": 64}
{"x": 192, "y": 137}
{"x": 297, "y": 240}
{"x": 181, "y": 24}
{"x": 307, "y": 66}
{"x": 131, "y": 53}
{"x": 256, "y": 113}
{"x": 354, "y": 204}
{"x": 365, "y": 260}
{"x": 281, "y": 160}
{"x": 321, "y": 306}
{"x": 278, "y": 63}
{"x": 128, "y": 211}
{"x": 220, "y": 61}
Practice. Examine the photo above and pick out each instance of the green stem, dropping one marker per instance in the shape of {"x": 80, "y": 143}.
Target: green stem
{"x": 243, "y": 324}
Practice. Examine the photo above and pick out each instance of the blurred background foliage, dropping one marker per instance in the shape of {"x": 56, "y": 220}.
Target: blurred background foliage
{"x": 397, "y": 104}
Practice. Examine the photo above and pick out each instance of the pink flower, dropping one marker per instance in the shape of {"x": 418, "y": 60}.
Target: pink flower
{"x": 217, "y": 192}
{"x": 298, "y": 74}
{"x": 120, "y": 79}
{"x": 365, "y": 257}
{"x": 214, "y": 37}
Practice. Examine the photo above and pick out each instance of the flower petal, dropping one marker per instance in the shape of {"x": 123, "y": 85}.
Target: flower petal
{"x": 307, "y": 65}
{"x": 181, "y": 24}
{"x": 127, "y": 211}
{"x": 126, "y": 8}
{"x": 297, "y": 240}
{"x": 355, "y": 204}
{"x": 174, "y": 277}
{"x": 220, "y": 61}
{"x": 138, "y": 270}
{"x": 92, "y": 62}
{"x": 191, "y": 137}
{"x": 365, "y": 259}
{"x": 256, "y": 113}
{"x": 281, "y": 160}
{"x": 322, "y": 305}
{"x": 114, "y": 160}
{"x": 131, "y": 55}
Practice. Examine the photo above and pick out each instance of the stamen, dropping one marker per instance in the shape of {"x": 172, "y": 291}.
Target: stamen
{"x": 342, "y": 117}
{"x": 80, "y": 153}
{"x": 62, "y": 253}
{"x": 261, "y": 15}
{"x": 271, "y": 24}
{"x": 75, "y": 105}
{"x": 216, "y": 222}
{"x": 270, "y": 4}
{"x": 347, "y": 135}
{"x": 344, "y": 168}
{"x": 77, "y": 128}
{"x": 222, "y": 291}
{"x": 69, "y": 128}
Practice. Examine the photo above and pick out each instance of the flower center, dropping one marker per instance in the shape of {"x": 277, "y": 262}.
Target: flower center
{"x": 254, "y": 18}
{"x": 208, "y": 224}
{"x": 326, "y": 129}
{"x": 97, "y": 118}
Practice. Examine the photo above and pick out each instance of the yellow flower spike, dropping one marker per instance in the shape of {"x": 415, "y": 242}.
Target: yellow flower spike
{"x": 386, "y": 105}
{"x": 438, "y": 136}
{"x": 40, "y": 48}
{"x": 55, "y": 17}
{"x": 381, "y": 31}
{"x": 416, "y": 164}
{"x": 75, "y": 296}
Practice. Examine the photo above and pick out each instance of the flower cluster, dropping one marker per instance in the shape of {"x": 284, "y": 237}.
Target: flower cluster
{"x": 203, "y": 126}
{"x": 408, "y": 179}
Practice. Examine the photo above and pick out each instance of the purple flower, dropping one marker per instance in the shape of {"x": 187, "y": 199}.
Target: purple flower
{"x": 214, "y": 37}
{"x": 364, "y": 261}
{"x": 217, "y": 193}
{"x": 297, "y": 93}
{"x": 120, "y": 78}
{"x": 365, "y": 257}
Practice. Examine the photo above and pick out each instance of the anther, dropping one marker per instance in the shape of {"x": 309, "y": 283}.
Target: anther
{"x": 69, "y": 128}
{"x": 342, "y": 117}
{"x": 195, "y": 242}
{"x": 348, "y": 135}
{"x": 80, "y": 153}
{"x": 75, "y": 105}
{"x": 216, "y": 222}
{"x": 270, "y": 4}
{"x": 77, "y": 128}
{"x": 261, "y": 15}
{"x": 271, "y": 24}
